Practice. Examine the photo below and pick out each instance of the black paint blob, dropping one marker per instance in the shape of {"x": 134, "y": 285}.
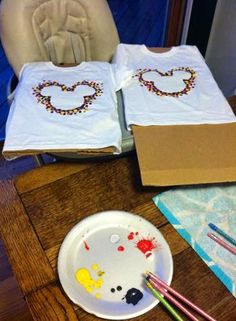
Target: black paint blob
{"x": 133, "y": 296}
{"x": 118, "y": 288}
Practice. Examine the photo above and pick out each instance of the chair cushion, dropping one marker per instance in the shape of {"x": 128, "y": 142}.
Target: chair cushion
{"x": 68, "y": 31}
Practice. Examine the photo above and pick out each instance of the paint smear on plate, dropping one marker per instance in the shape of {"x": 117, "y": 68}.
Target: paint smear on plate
{"x": 95, "y": 267}
{"x": 86, "y": 246}
{"x": 132, "y": 235}
{"x": 146, "y": 246}
{"x": 121, "y": 248}
{"x": 133, "y": 296}
{"x": 84, "y": 277}
{"x": 98, "y": 296}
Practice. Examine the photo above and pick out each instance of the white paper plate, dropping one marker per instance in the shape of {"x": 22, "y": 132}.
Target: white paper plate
{"x": 110, "y": 252}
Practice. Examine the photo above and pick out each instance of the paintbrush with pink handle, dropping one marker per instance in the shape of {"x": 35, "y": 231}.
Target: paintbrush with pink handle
{"x": 166, "y": 291}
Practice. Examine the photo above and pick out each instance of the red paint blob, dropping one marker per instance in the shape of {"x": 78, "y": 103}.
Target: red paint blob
{"x": 136, "y": 233}
{"x": 145, "y": 245}
{"x": 121, "y": 248}
{"x": 86, "y": 246}
{"x": 131, "y": 236}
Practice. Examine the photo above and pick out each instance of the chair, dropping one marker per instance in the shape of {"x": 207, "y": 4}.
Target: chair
{"x": 64, "y": 32}
{"x": 61, "y": 31}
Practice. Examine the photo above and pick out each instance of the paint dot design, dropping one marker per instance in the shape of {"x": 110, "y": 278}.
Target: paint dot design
{"x": 188, "y": 83}
{"x": 88, "y": 99}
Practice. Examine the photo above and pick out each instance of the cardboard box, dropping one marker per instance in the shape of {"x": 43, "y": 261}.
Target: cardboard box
{"x": 186, "y": 154}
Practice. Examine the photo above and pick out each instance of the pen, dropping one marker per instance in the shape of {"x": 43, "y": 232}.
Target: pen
{"x": 222, "y": 243}
{"x": 226, "y": 236}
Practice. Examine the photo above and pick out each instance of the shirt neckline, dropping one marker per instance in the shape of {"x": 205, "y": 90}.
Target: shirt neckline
{"x": 64, "y": 69}
{"x": 168, "y": 53}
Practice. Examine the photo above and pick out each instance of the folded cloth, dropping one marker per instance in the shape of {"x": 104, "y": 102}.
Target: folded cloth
{"x": 174, "y": 87}
{"x": 190, "y": 210}
{"x": 64, "y": 109}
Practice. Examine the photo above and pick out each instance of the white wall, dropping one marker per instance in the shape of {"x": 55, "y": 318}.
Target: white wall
{"x": 221, "y": 50}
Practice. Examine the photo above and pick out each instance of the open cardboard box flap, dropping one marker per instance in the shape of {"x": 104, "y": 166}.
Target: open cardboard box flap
{"x": 186, "y": 154}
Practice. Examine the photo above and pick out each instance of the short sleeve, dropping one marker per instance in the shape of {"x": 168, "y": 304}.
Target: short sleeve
{"x": 121, "y": 76}
{"x": 23, "y": 68}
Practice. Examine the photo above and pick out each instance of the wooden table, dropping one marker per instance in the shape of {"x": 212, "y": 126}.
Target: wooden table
{"x": 40, "y": 207}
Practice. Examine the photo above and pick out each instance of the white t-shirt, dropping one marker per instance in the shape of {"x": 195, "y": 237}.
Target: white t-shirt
{"x": 174, "y": 87}
{"x": 65, "y": 108}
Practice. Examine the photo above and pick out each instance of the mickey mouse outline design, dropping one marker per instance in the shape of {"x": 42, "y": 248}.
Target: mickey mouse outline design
{"x": 46, "y": 100}
{"x": 149, "y": 84}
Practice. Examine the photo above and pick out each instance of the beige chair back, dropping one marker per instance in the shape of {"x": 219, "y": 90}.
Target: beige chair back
{"x": 62, "y": 31}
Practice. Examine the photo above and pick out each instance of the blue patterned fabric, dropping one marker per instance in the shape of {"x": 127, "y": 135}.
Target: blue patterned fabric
{"x": 190, "y": 210}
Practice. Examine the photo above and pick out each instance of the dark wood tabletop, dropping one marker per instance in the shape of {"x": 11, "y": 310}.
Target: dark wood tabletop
{"x": 40, "y": 207}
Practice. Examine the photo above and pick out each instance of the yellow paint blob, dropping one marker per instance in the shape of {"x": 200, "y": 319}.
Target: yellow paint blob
{"x": 95, "y": 267}
{"x": 83, "y": 276}
{"x": 98, "y": 296}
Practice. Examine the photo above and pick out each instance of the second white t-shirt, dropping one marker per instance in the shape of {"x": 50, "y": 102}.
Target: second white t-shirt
{"x": 170, "y": 88}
